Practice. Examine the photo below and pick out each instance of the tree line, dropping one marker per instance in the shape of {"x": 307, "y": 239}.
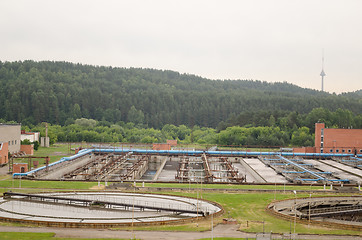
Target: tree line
{"x": 61, "y": 93}
{"x": 292, "y": 129}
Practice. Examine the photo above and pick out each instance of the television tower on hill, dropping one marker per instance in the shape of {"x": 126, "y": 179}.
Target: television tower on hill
{"x": 322, "y": 73}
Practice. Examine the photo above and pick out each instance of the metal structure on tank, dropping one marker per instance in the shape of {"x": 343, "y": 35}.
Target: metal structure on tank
{"x": 115, "y": 164}
{"x": 103, "y": 209}
{"x": 295, "y": 170}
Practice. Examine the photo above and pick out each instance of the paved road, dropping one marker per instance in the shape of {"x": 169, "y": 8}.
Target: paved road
{"x": 219, "y": 231}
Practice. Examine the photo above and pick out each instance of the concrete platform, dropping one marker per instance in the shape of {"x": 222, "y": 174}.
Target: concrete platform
{"x": 322, "y": 165}
{"x": 242, "y": 171}
{"x": 169, "y": 171}
{"x": 266, "y": 172}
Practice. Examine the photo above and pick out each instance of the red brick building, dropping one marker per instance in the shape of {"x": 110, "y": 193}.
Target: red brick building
{"x": 161, "y": 146}
{"x": 27, "y": 149}
{"x": 20, "y": 167}
{"x": 337, "y": 140}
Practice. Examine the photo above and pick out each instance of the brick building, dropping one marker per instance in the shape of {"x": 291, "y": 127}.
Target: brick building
{"x": 337, "y": 140}
{"x": 10, "y": 133}
{"x": 20, "y": 167}
{"x": 27, "y": 149}
{"x": 161, "y": 146}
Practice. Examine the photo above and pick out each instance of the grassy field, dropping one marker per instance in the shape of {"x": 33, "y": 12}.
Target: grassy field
{"x": 40, "y": 236}
{"x": 55, "y": 152}
{"x": 231, "y": 186}
{"x": 50, "y": 236}
{"x": 23, "y": 185}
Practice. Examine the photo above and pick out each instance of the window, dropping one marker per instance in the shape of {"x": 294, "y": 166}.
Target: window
{"x": 343, "y": 150}
{"x": 15, "y": 142}
{"x": 337, "y": 150}
{"x": 321, "y": 144}
{"x": 331, "y": 150}
{"x": 321, "y": 150}
{"x": 360, "y": 150}
{"x": 12, "y": 142}
{"x": 322, "y": 139}
{"x": 349, "y": 150}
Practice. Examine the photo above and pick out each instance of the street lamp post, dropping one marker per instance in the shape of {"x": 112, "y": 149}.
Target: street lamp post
{"x": 295, "y": 209}
{"x": 310, "y": 199}
{"x": 133, "y": 203}
{"x": 275, "y": 188}
{"x": 212, "y": 226}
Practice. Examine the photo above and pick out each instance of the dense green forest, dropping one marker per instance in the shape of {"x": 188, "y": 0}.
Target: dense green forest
{"x": 287, "y": 131}
{"x": 60, "y": 92}
{"x": 105, "y": 104}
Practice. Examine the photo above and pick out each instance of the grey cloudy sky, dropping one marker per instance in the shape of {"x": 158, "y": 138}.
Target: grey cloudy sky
{"x": 268, "y": 40}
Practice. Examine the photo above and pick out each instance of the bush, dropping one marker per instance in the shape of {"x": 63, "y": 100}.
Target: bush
{"x": 36, "y": 145}
{"x": 26, "y": 142}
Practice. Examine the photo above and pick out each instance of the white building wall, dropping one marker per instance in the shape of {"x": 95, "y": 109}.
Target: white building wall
{"x": 32, "y": 136}
{"x": 11, "y": 133}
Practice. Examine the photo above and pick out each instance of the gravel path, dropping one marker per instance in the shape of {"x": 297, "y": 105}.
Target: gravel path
{"x": 219, "y": 231}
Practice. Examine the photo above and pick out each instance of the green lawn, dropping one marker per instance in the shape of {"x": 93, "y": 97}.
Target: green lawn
{"x": 55, "y": 152}
{"x": 6, "y": 185}
{"x": 26, "y": 236}
{"x": 231, "y": 186}
{"x": 39, "y": 236}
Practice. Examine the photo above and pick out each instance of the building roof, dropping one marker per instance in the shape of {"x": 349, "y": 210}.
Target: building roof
{"x": 9, "y": 124}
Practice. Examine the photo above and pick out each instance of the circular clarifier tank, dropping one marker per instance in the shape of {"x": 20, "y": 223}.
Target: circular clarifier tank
{"x": 102, "y": 209}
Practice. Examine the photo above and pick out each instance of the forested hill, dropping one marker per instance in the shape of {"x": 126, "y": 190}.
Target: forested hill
{"x": 57, "y": 92}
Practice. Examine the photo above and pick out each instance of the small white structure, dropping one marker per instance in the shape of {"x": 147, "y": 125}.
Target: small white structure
{"x": 31, "y": 136}
{"x": 44, "y": 142}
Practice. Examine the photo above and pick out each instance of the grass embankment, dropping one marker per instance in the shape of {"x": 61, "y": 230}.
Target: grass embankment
{"x": 39, "y": 236}
{"x": 33, "y": 185}
{"x": 54, "y": 152}
{"x": 231, "y": 186}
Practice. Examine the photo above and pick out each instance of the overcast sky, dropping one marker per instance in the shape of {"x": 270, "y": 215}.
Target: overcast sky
{"x": 268, "y": 40}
